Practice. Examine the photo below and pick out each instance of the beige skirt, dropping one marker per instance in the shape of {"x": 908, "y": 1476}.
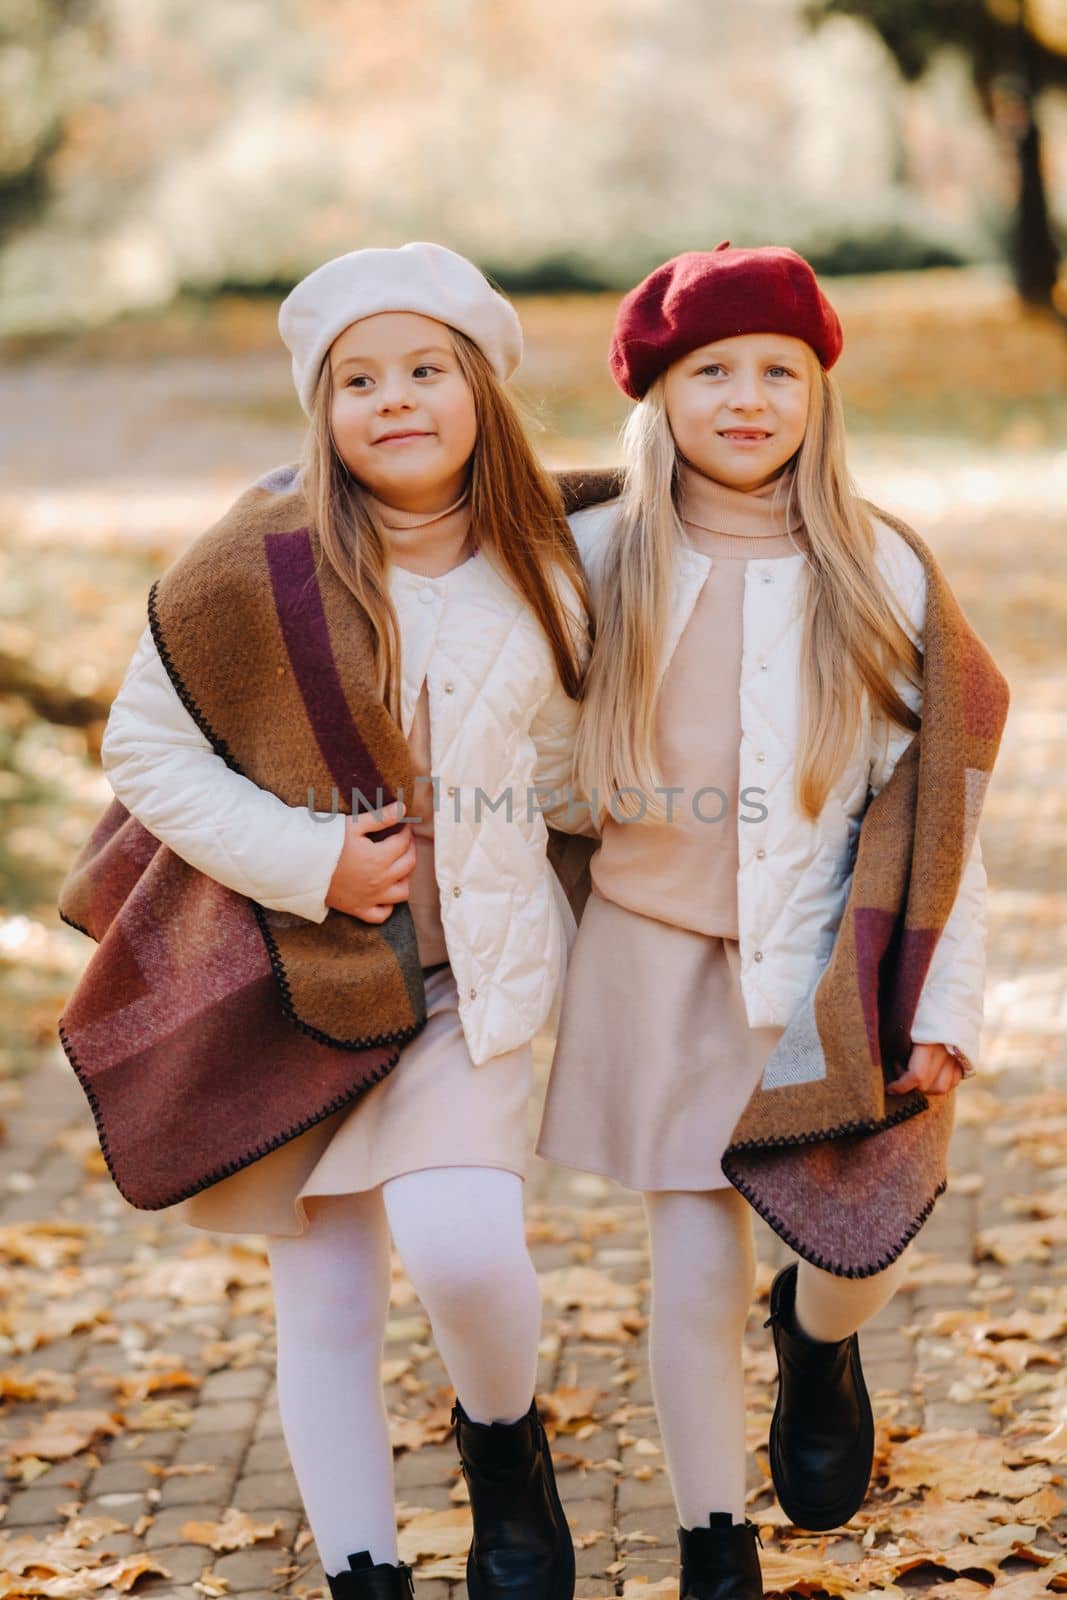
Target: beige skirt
{"x": 435, "y": 1109}
{"x": 655, "y": 1060}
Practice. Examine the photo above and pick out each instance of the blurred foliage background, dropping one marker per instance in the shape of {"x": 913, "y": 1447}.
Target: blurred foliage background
{"x": 168, "y": 169}
{"x": 153, "y": 147}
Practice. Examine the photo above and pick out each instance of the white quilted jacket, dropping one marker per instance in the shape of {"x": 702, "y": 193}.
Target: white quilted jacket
{"x": 794, "y": 873}
{"x": 499, "y": 717}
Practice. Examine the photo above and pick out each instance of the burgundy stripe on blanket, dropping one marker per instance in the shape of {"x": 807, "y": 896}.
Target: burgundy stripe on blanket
{"x": 307, "y": 639}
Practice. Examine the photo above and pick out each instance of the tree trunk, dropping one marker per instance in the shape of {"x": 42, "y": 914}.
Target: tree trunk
{"x": 1036, "y": 262}
{"x": 1036, "y": 259}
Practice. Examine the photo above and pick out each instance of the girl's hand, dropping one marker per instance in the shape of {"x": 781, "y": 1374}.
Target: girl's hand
{"x": 931, "y": 1068}
{"x": 372, "y": 875}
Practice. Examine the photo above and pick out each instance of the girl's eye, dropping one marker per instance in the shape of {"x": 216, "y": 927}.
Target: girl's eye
{"x": 712, "y": 367}
{"x": 424, "y": 370}
{"x": 358, "y": 381}
{"x": 784, "y": 371}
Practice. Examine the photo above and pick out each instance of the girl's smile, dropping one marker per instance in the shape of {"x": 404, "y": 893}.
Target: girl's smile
{"x": 744, "y": 437}
{"x": 403, "y": 437}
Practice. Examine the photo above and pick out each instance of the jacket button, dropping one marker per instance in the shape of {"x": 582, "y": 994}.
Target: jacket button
{"x": 450, "y": 688}
{"x": 474, "y": 994}
{"x": 456, "y": 891}
{"x": 758, "y": 955}
{"x": 767, "y": 577}
{"x": 761, "y": 756}
{"x": 426, "y": 596}
{"x": 763, "y": 666}
{"x": 452, "y": 789}
{"x": 760, "y": 854}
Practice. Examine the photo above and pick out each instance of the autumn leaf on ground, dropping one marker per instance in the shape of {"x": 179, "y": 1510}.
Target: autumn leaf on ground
{"x": 567, "y": 1407}
{"x": 181, "y": 1470}
{"x": 210, "y": 1583}
{"x": 27, "y": 1329}
{"x": 583, "y": 1287}
{"x": 82, "y": 1531}
{"x": 1012, "y": 1242}
{"x": 63, "y": 1434}
{"x": 411, "y": 1433}
{"x": 806, "y": 1572}
{"x": 1049, "y": 1203}
{"x": 394, "y": 1370}
{"x": 233, "y": 1354}
{"x": 938, "y": 1520}
{"x": 204, "y": 1278}
{"x": 941, "y": 1274}
{"x": 133, "y": 1386}
{"x": 1052, "y": 1448}
{"x": 1020, "y": 1324}
{"x": 43, "y": 1244}
{"x": 43, "y": 1385}
{"x": 961, "y": 1465}
{"x": 958, "y": 1589}
{"x": 236, "y": 1531}
{"x": 1028, "y": 1586}
{"x": 64, "y": 1582}
{"x": 608, "y": 1326}
{"x": 160, "y": 1416}
{"x": 437, "y": 1542}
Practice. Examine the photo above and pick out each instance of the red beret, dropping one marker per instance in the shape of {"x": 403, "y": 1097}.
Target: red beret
{"x": 705, "y": 295}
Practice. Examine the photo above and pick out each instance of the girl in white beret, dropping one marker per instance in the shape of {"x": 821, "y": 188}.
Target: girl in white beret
{"x": 777, "y": 981}
{"x": 419, "y": 518}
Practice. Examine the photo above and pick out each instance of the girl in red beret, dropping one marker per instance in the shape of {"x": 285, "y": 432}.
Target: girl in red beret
{"x": 756, "y": 676}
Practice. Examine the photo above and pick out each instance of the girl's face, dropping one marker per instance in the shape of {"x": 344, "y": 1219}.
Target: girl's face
{"x": 738, "y": 408}
{"x": 402, "y": 413}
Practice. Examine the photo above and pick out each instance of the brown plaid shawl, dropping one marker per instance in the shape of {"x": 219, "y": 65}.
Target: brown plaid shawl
{"x": 207, "y": 1030}
{"x": 844, "y": 1173}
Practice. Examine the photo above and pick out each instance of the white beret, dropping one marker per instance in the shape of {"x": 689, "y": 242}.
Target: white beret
{"x": 426, "y": 278}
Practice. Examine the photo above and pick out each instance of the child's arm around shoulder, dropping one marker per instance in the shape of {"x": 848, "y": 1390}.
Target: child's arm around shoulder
{"x": 164, "y": 771}
{"x": 951, "y": 1003}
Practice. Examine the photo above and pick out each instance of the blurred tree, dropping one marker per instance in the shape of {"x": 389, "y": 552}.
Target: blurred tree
{"x": 47, "y": 50}
{"x": 1015, "y": 50}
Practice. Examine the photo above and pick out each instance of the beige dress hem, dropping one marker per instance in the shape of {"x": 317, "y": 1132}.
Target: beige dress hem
{"x": 655, "y": 1060}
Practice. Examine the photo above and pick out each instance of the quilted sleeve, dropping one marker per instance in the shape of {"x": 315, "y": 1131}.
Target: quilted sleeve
{"x": 164, "y": 771}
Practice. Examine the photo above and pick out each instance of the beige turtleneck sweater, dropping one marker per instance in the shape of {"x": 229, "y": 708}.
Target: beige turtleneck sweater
{"x": 430, "y": 550}
{"x": 685, "y": 871}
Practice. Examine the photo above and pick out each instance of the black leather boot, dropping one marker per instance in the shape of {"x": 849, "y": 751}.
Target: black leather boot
{"x": 365, "y": 1581}
{"x": 522, "y": 1547}
{"x": 719, "y": 1562}
{"x": 822, "y": 1431}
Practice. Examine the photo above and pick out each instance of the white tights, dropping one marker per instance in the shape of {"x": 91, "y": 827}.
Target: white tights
{"x": 703, "y": 1278}
{"x": 459, "y": 1232}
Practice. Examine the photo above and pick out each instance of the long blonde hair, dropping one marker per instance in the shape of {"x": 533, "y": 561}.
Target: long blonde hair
{"x": 516, "y": 516}
{"x": 853, "y": 636}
